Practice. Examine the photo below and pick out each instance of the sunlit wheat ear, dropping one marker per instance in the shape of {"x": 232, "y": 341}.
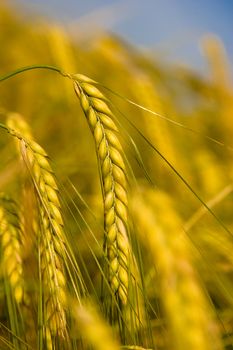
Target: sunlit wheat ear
{"x": 21, "y": 293}
{"x": 51, "y": 239}
{"x": 11, "y": 249}
{"x": 187, "y": 310}
{"x": 52, "y": 236}
{"x": 53, "y": 280}
{"x": 114, "y": 183}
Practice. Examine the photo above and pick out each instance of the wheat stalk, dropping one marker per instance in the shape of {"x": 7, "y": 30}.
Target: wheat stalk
{"x": 114, "y": 183}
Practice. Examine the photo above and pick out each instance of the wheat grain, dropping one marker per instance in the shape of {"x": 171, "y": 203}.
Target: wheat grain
{"x": 114, "y": 182}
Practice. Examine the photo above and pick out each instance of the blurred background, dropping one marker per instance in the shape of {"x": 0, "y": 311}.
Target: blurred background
{"x": 170, "y": 30}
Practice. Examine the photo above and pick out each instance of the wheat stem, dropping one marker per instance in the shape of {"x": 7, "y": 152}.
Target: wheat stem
{"x": 28, "y": 68}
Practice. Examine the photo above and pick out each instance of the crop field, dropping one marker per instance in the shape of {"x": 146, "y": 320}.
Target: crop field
{"x": 116, "y": 194}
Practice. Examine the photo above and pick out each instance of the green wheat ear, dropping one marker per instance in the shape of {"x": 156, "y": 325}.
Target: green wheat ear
{"x": 114, "y": 183}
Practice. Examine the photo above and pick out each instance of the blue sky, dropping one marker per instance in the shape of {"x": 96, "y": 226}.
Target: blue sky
{"x": 172, "y": 28}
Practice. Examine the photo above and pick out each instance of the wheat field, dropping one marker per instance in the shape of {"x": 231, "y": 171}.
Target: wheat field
{"x": 116, "y": 225}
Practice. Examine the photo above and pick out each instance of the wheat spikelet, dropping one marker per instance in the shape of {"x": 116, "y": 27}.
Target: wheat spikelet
{"x": 188, "y": 313}
{"x": 11, "y": 248}
{"x": 113, "y": 176}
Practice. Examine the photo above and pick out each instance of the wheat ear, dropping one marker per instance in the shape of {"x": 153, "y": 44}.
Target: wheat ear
{"x": 114, "y": 183}
{"x": 189, "y": 316}
{"x": 11, "y": 248}
{"x": 46, "y": 225}
{"x": 51, "y": 238}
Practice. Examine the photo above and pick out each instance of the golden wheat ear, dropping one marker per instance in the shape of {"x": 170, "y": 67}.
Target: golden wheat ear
{"x": 11, "y": 247}
{"x": 114, "y": 183}
{"x": 15, "y": 285}
{"x": 50, "y": 236}
{"x": 188, "y": 313}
